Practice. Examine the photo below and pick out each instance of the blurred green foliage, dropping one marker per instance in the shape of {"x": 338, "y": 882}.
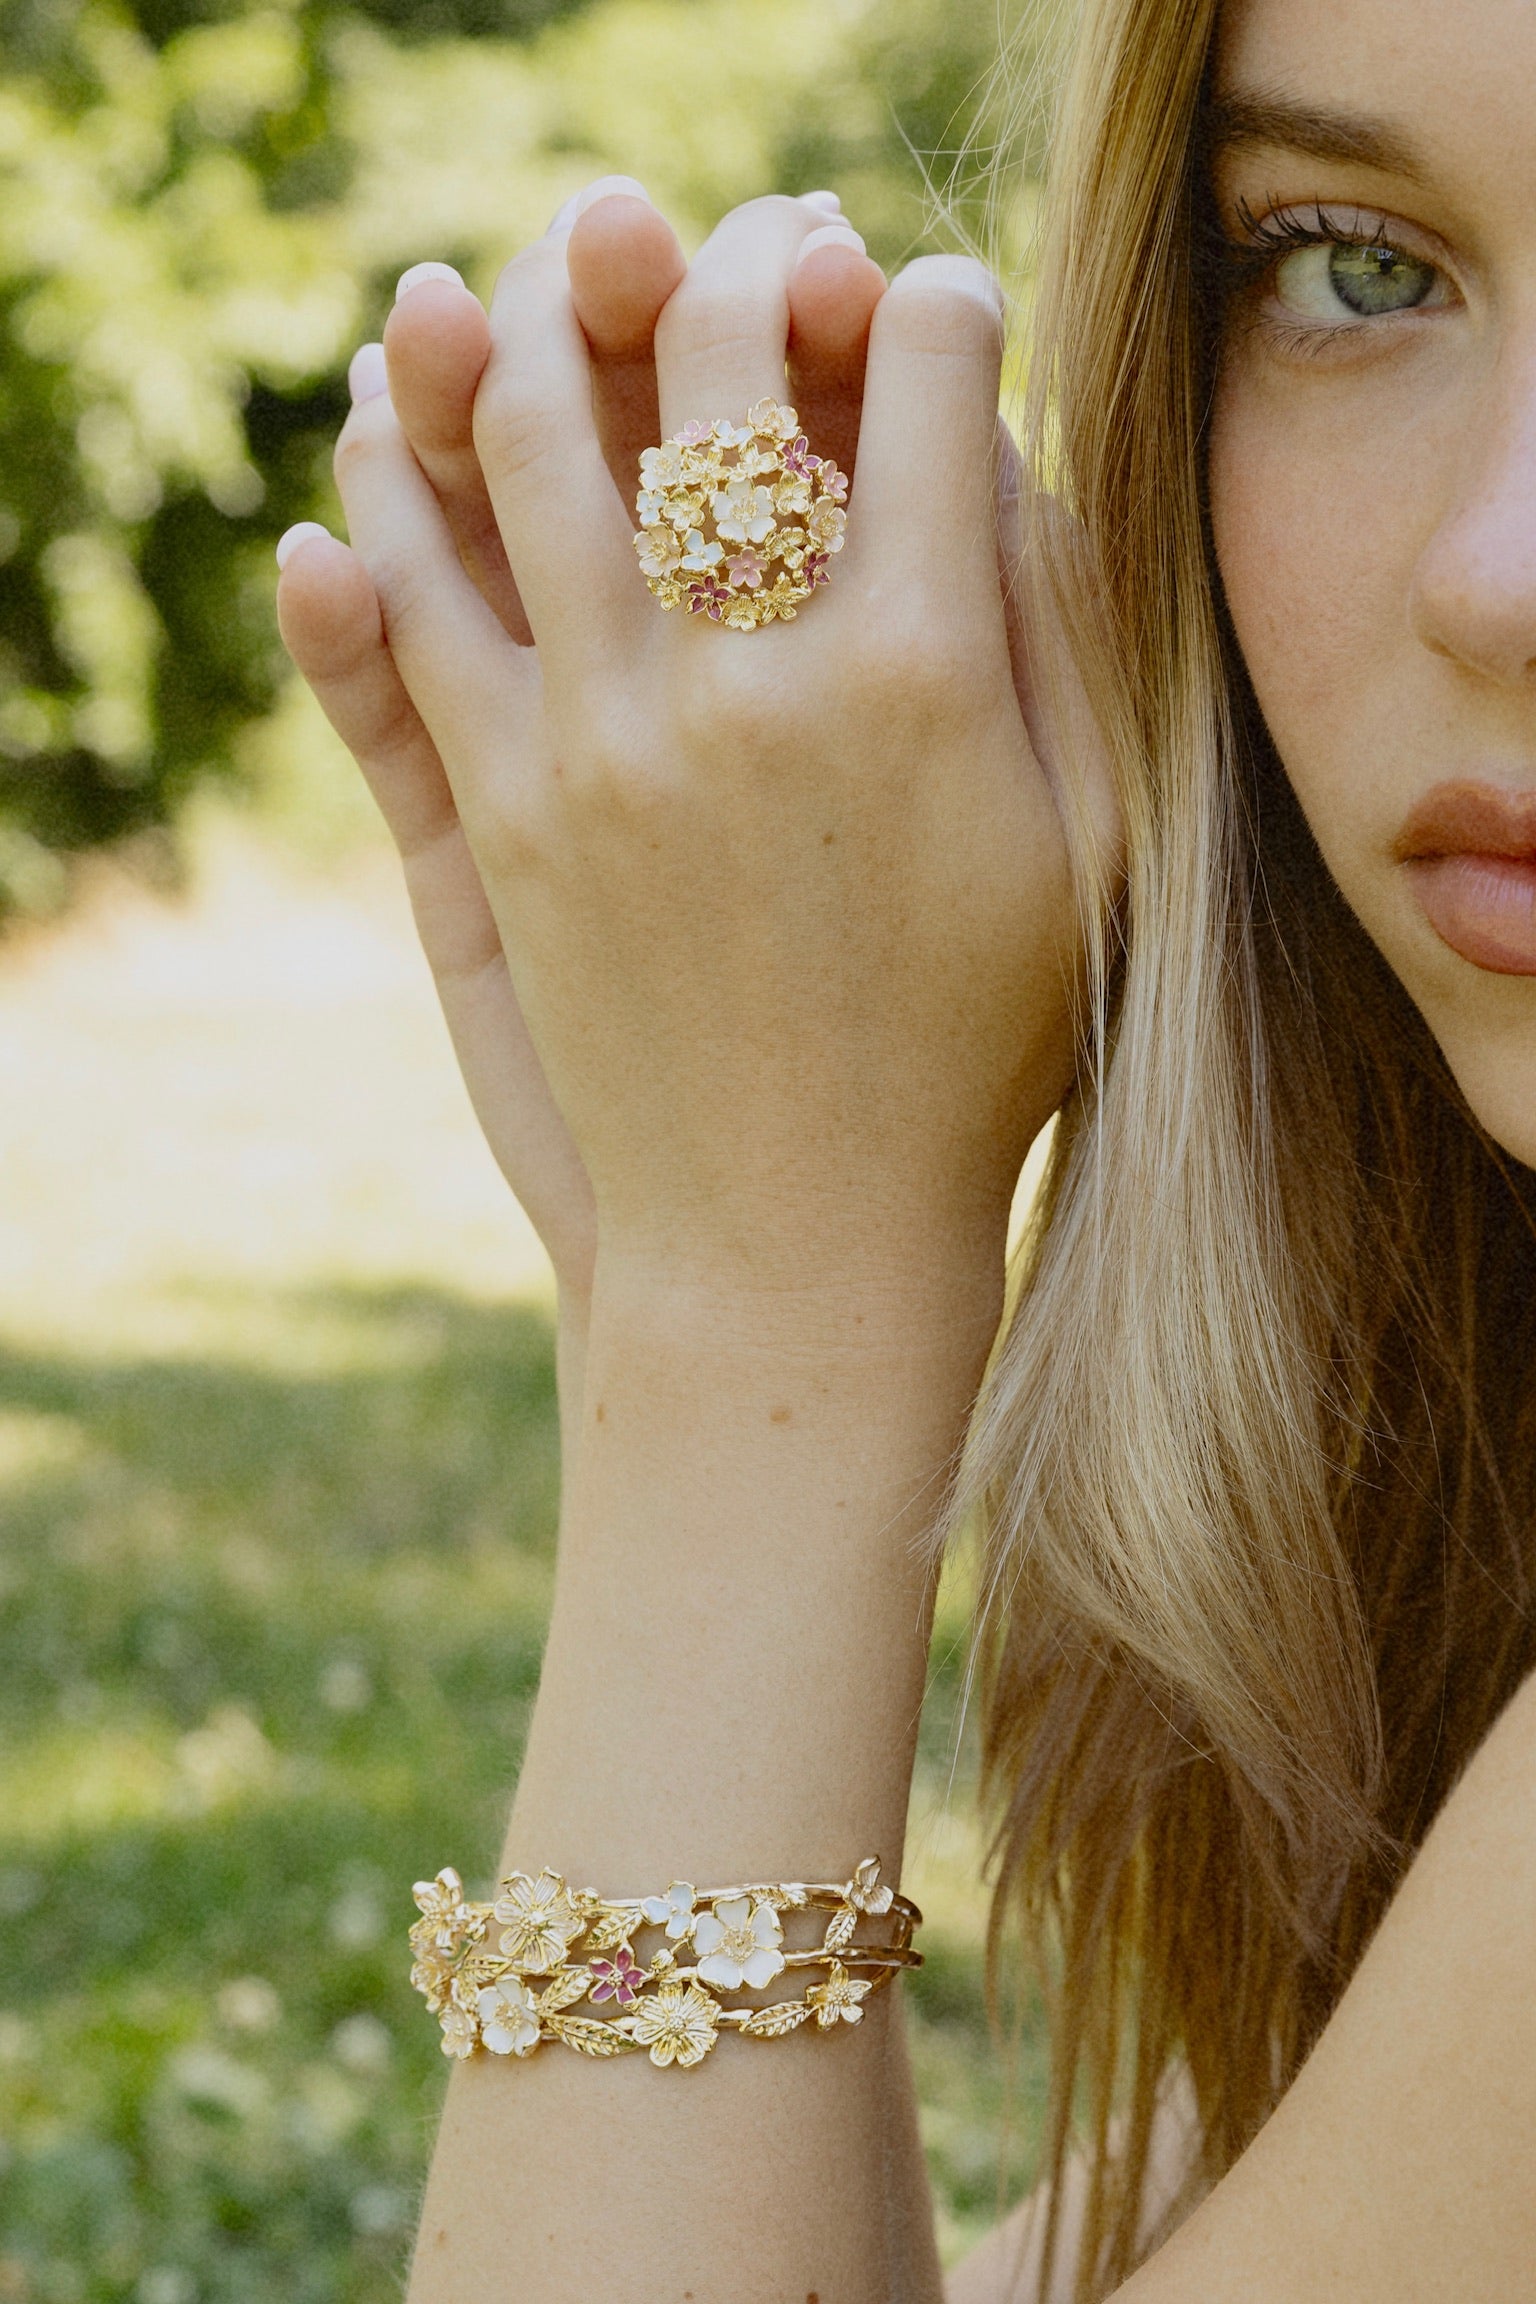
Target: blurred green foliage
{"x": 203, "y": 206}
{"x": 271, "y": 1629}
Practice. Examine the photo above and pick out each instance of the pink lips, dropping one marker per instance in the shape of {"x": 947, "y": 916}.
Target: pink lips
{"x": 1470, "y": 850}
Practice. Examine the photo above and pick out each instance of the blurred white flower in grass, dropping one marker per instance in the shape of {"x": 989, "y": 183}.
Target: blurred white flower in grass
{"x": 363, "y": 2045}
{"x": 18, "y": 2039}
{"x": 380, "y": 2208}
{"x": 738, "y": 1942}
{"x": 325, "y": 2109}
{"x": 249, "y": 2004}
{"x": 345, "y": 1685}
{"x": 357, "y": 1919}
{"x": 205, "y": 2075}
{"x": 165, "y": 2284}
{"x": 225, "y": 1758}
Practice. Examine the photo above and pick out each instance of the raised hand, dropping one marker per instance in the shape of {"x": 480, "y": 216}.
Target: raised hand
{"x": 789, "y": 912}
{"x": 623, "y": 261}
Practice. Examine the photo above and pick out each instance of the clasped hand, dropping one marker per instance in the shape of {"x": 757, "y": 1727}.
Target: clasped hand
{"x": 758, "y": 948}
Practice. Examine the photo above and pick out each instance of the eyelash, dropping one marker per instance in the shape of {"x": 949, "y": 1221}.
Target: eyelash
{"x": 1244, "y": 262}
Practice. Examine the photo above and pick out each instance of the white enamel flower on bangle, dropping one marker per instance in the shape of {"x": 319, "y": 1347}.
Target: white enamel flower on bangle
{"x": 738, "y": 1943}
{"x": 509, "y": 2022}
{"x": 538, "y": 1921}
{"x": 674, "y": 1911}
{"x": 865, "y": 1892}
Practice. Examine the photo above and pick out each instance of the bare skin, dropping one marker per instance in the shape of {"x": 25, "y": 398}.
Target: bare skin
{"x": 773, "y": 1098}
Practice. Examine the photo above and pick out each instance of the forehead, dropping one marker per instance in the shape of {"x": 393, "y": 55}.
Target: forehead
{"x": 1452, "y": 81}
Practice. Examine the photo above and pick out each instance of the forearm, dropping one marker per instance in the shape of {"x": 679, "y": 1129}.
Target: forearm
{"x": 573, "y": 1319}
{"x": 731, "y": 1690}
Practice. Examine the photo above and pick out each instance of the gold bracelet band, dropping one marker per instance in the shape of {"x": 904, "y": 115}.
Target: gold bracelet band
{"x": 510, "y": 1997}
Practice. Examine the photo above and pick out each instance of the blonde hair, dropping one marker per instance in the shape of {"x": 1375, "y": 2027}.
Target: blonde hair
{"x": 1250, "y": 1460}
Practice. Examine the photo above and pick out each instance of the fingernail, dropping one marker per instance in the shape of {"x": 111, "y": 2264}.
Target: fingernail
{"x": 827, "y": 200}
{"x": 413, "y": 277}
{"x": 831, "y": 236}
{"x": 291, "y": 538}
{"x": 367, "y": 377}
{"x": 580, "y": 201}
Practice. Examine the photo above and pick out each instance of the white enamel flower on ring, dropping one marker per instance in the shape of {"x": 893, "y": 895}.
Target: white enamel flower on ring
{"x": 738, "y": 1944}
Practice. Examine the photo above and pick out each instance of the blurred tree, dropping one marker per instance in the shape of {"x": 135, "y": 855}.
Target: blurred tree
{"x": 202, "y": 203}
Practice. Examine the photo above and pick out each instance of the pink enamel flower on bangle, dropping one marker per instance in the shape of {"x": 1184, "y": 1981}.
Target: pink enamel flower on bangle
{"x": 618, "y": 1979}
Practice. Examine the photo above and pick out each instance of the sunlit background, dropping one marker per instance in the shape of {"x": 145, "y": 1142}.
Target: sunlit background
{"x": 277, "y": 1438}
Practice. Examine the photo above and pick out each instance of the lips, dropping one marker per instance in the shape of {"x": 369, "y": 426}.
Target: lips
{"x": 1470, "y": 853}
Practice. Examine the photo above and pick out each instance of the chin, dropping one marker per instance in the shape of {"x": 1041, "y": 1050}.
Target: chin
{"x": 1496, "y": 1073}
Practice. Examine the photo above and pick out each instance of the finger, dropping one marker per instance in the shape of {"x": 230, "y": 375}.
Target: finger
{"x": 721, "y": 342}
{"x": 567, "y": 531}
{"x": 624, "y": 261}
{"x": 928, "y": 438}
{"x": 436, "y": 343}
{"x": 331, "y": 623}
{"x": 332, "y": 626}
{"x": 833, "y": 289}
{"x": 328, "y": 614}
{"x": 460, "y": 669}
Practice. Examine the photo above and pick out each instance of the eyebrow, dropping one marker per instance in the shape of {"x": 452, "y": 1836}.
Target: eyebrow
{"x": 1260, "y": 118}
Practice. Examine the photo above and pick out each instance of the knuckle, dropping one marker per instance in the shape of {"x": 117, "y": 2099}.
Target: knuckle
{"x": 733, "y": 708}
{"x": 710, "y": 315}
{"x": 361, "y": 437}
{"x": 509, "y": 426}
{"x": 915, "y": 662}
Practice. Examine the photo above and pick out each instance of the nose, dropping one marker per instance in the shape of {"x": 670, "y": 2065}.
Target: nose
{"x": 1473, "y": 594}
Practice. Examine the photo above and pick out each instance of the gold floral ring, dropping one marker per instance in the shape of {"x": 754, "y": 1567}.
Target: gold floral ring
{"x": 739, "y": 522}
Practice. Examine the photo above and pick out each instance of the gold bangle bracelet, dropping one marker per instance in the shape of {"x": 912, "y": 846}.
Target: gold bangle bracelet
{"x": 510, "y": 1996}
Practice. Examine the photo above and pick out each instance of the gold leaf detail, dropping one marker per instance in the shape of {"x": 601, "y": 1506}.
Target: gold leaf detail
{"x": 769, "y": 2023}
{"x": 840, "y": 1929}
{"x": 482, "y": 1968}
{"x": 617, "y": 1925}
{"x": 588, "y": 2036}
{"x": 569, "y": 1986}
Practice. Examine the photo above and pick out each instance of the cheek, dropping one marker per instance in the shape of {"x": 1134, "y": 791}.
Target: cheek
{"x": 1312, "y": 558}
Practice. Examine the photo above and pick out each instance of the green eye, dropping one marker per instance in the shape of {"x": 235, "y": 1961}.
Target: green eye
{"x": 1378, "y": 279}
{"x": 1366, "y": 279}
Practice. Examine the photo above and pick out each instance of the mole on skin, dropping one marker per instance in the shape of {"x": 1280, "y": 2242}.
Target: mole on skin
{"x": 778, "y": 1415}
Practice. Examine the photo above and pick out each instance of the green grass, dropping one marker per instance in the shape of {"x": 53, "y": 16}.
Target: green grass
{"x": 270, "y": 1623}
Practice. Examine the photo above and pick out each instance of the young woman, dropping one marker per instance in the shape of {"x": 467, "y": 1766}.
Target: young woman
{"x": 1210, "y": 827}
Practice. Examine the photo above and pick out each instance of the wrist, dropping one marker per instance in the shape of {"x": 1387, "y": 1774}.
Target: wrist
{"x": 889, "y": 1291}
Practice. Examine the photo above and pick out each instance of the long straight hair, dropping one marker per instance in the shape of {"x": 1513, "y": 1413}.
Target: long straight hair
{"x": 1252, "y": 1460}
